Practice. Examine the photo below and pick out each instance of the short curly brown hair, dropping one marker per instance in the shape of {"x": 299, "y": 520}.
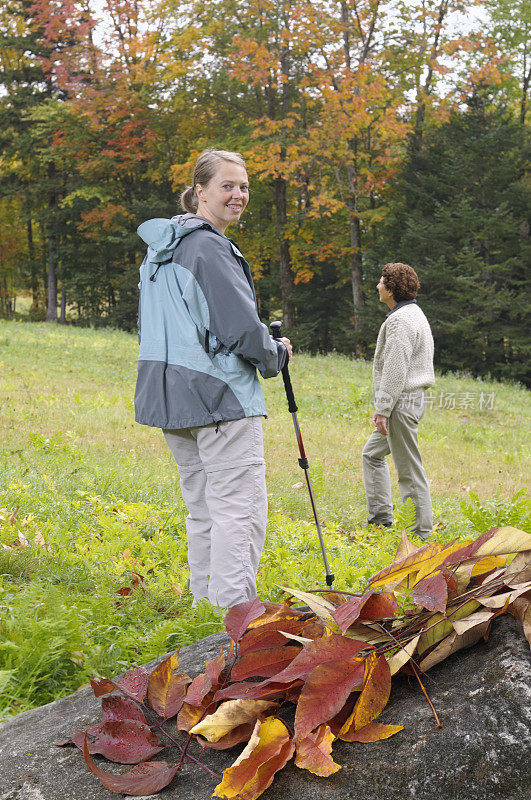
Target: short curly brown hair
{"x": 401, "y": 280}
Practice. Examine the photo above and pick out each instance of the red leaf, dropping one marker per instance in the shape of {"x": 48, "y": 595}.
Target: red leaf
{"x": 248, "y": 690}
{"x": 144, "y": 779}
{"x": 431, "y": 593}
{"x": 203, "y": 684}
{"x": 371, "y": 605}
{"x": 320, "y": 651}
{"x": 325, "y": 693}
{"x": 134, "y": 683}
{"x": 121, "y": 708}
{"x": 268, "y": 635}
{"x": 123, "y": 741}
{"x": 265, "y": 663}
{"x": 240, "y": 616}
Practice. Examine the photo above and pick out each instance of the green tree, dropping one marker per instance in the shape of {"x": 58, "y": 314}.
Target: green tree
{"x": 463, "y": 223}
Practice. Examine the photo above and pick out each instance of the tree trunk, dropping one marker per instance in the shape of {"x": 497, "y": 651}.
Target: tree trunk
{"x": 34, "y": 278}
{"x": 356, "y": 259}
{"x": 51, "y": 305}
{"x": 286, "y": 283}
{"x": 62, "y": 316}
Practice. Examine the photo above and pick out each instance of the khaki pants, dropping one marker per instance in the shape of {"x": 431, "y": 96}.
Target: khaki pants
{"x": 402, "y": 443}
{"x": 222, "y": 472}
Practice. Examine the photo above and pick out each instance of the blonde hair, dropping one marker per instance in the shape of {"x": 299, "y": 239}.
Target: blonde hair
{"x": 204, "y": 170}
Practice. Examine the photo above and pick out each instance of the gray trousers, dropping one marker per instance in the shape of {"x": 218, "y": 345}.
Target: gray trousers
{"x": 402, "y": 442}
{"x": 222, "y": 475}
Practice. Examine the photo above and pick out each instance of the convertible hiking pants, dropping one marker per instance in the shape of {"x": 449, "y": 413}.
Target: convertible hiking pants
{"x": 402, "y": 443}
{"x": 222, "y": 472}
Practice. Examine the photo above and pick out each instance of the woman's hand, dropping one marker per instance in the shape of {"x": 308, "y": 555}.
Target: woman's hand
{"x": 287, "y": 345}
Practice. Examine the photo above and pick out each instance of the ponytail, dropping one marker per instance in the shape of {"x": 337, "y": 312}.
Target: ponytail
{"x": 190, "y": 200}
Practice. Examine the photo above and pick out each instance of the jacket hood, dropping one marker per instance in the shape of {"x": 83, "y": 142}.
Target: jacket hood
{"x": 162, "y": 235}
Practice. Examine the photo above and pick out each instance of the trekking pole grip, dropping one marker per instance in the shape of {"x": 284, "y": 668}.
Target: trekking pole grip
{"x": 292, "y": 405}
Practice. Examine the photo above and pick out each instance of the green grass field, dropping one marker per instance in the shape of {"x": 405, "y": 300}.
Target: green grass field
{"x": 92, "y": 539}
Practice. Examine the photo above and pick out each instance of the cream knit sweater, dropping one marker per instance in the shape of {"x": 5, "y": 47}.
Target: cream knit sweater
{"x": 403, "y": 361}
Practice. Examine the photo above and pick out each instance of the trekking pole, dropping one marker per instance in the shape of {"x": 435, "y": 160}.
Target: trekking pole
{"x": 303, "y": 461}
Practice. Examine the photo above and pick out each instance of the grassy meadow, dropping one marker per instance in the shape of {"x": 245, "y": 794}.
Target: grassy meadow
{"x": 92, "y": 536}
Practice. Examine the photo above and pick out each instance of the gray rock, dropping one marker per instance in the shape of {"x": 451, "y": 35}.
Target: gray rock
{"x": 482, "y": 696}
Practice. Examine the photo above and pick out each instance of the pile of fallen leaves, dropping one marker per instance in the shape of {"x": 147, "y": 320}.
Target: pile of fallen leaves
{"x": 296, "y": 680}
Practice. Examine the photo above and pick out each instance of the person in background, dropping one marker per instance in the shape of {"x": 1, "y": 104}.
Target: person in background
{"x": 201, "y": 342}
{"x": 402, "y": 371}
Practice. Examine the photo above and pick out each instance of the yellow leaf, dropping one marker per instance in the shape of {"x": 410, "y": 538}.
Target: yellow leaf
{"x": 505, "y": 540}
{"x": 441, "y": 625}
{"x": 374, "y": 732}
{"x": 319, "y": 605}
{"x": 268, "y": 750}
{"x": 402, "y": 656}
{"x": 228, "y": 716}
{"x": 487, "y": 564}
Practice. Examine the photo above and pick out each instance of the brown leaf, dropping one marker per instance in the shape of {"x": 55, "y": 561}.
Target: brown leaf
{"x": 202, "y": 684}
{"x": 374, "y": 732}
{"x": 522, "y": 609}
{"x": 189, "y": 716}
{"x": 520, "y": 568}
{"x": 313, "y": 752}
{"x": 123, "y": 741}
{"x": 11, "y": 518}
{"x": 167, "y": 688}
{"x": 431, "y": 593}
{"x": 264, "y": 663}
{"x": 101, "y": 686}
{"x": 325, "y": 693}
{"x": 269, "y": 749}
{"x": 144, "y": 779}
{"x": 374, "y": 695}
{"x": 240, "y": 616}
{"x": 499, "y": 600}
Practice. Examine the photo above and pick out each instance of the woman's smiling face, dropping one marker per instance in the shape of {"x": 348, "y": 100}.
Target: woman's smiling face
{"x": 224, "y": 198}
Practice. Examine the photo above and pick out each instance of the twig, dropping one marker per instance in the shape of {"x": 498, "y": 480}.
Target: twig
{"x": 437, "y": 720}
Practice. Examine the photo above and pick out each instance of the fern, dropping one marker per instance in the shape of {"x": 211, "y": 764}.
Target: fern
{"x": 405, "y": 515}
{"x": 515, "y": 511}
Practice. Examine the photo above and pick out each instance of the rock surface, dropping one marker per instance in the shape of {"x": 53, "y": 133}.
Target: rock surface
{"x": 482, "y": 752}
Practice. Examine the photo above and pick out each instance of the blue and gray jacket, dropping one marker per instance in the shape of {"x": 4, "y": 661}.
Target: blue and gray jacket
{"x": 201, "y": 339}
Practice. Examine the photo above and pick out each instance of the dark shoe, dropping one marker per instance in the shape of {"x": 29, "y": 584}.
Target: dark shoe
{"x": 376, "y": 524}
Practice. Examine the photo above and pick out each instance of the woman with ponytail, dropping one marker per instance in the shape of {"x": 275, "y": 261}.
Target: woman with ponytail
{"x": 201, "y": 343}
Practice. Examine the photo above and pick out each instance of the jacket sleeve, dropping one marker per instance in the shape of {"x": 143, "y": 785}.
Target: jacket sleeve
{"x": 226, "y": 307}
{"x": 396, "y": 356}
